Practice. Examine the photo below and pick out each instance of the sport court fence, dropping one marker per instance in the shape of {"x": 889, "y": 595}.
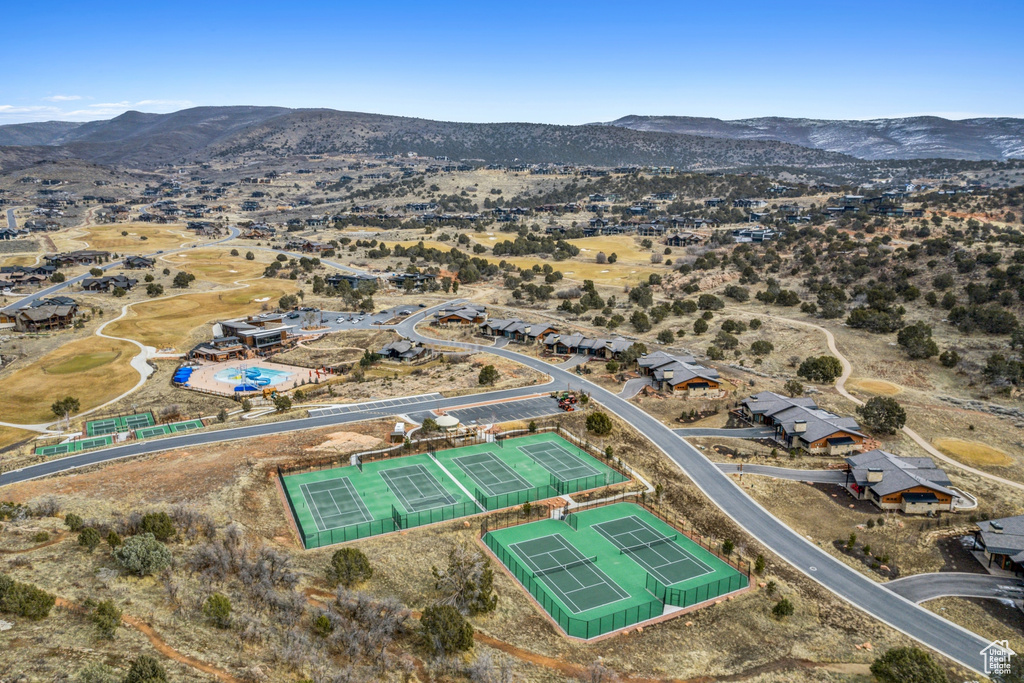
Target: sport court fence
{"x": 555, "y": 487}
{"x": 678, "y": 597}
{"x": 573, "y": 626}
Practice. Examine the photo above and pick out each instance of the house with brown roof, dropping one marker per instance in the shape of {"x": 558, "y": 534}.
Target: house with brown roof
{"x": 108, "y": 283}
{"x": 516, "y": 330}
{"x": 79, "y": 257}
{"x": 49, "y": 316}
{"x": 910, "y": 485}
{"x": 466, "y": 314}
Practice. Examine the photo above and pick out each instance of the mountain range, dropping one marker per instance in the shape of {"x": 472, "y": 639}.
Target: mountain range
{"x": 918, "y": 137}
{"x": 147, "y": 141}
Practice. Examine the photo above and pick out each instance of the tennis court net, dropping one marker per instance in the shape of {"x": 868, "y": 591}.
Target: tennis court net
{"x": 567, "y": 565}
{"x": 647, "y": 544}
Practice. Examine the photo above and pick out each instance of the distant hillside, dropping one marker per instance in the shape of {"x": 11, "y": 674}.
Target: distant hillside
{"x": 921, "y": 137}
{"x": 43, "y": 133}
{"x": 145, "y": 141}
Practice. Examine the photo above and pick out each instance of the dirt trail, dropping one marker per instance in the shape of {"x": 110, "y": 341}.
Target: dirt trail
{"x": 161, "y": 645}
{"x": 53, "y": 541}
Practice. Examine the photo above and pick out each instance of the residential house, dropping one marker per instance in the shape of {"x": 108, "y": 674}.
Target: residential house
{"x": 748, "y": 203}
{"x": 80, "y": 257}
{"x": 1002, "y": 541}
{"x": 650, "y": 229}
{"x": 682, "y": 374}
{"x": 220, "y": 349}
{"x": 49, "y": 315}
{"x": 107, "y": 283}
{"x": 404, "y": 351}
{"x": 682, "y": 239}
{"x": 468, "y": 314}
{"x": 411, "y": 280}
{"x": 911, "y": 485}
{"x": 516, "y": 330}
{"x": 352, "y": 279}
{"x": 576, "y": 343}
{"x": 136, "y": 262}
{"x": 714, "y": 202}
{"x": 800, "y": 424}
{"x": 754, "y": 235}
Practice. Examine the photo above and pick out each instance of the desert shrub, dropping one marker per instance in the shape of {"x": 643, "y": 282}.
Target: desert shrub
{"x": 41, "y": 537}
{"x": 73, "y": 522}
{"x": 217, "y": 609}
{"x": 445, "y": 631}
{"x": 822, "y": 369}
{"x": 467, "y": 583}
{"x": 883, "y": 415}
{"x": 908, "y": 665}
{"x": 24, "y": 600}
{"x": 348, "y": 567}
{"x": 89, "y": 538}
{"x": 762, "y": 347}
{"x": 107, "y": 617}
{"x": 599, "y": 423}
{"x": 146, "y": 669}
{"x": 143, "y": 555}
{"x": 113, "y": 539}
{"x": 159, "y": 524}
{"x": 783, "y": 608}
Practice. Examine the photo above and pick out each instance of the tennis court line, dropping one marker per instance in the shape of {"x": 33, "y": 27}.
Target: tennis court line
{"x": 314, "y": 507}
{"x": 396, "y": 490}
{"x": 459, "y": 484}
{"x": 493, "y": 459}
{"x": 686, "y": 557}
{"x": 554, "y": 453}
{"x": 605, "y": 580}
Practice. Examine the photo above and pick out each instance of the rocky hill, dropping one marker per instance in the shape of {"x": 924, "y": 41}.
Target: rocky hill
{"x": 921, "y": 137}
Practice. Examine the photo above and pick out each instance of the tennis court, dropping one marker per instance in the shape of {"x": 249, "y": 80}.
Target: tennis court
{"x": 659, "y": 554}
{"x": 571, "y": 576}
{"x": 416, "y": 489}
{"x": 122, "y": 423}
{"x": 166, "y": 429}
{"x": 609, "y": 567}
{"x": 528, "y": 468}
{"x": 490, "y": 474}
{"x": 334, "y": 504}
{"x": 557, "y": 460}
{"x": 75, "y": 446}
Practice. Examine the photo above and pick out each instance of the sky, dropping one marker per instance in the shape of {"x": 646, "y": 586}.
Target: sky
{"x": 545, "y": 62}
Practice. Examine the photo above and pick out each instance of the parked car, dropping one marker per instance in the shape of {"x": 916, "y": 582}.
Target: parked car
{"x": 293, "y": 315}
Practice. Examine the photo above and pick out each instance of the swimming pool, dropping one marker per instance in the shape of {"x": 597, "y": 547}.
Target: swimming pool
{"x": 259, "y": 376}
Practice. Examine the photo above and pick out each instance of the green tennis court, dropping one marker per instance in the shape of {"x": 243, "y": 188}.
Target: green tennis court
{"x": 571, "y": 576}
{"x": 491, "y": 474}
{"x": 610, "y": 567}
{"x": 659, "y": 554}
{"x": 170, "y": 428}
{"x": 334, "y": 504}
{"x": 557, "y": 460}
{"x": 528, "y": 468}
{"x": 124, "y": 423}
{"x": 74, "y": 446}
{"x": 416, "y": 489}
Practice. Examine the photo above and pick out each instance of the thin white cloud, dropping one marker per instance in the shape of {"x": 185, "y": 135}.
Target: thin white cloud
{"x": 12, "y": 113}
{"x": 62, "y": 98}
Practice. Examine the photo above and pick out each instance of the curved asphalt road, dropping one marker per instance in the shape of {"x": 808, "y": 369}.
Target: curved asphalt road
{"x": 53, "y": 289}
{"x": 875, "y": 599}
{"x": 922, "y": 587}
{"x": 943, "y": 636}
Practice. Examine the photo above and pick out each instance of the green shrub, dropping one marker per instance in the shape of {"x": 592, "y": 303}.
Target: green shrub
{"x": 348, "y": 567}
{"x": 73, "y": 522}
{"x": 114, "y": 539}
{"x": 445, "y": 631}
{"x": 599, "y": 423}
{"x": 159, "y": 524}
{"x": 143, "y": 555}
{"x": 89, "y": 538}
{"x": 908, "y": 665}
{"x": 783, "y": 608}
{"x": 146, "y": 669}
{"x": 41, "y": 537}
{"x": 107, "y": 618}
{"x": 24, "y": 600}
{"x": 217, "y": 609}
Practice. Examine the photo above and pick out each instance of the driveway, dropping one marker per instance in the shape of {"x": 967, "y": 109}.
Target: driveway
{"x": 815, "y": 476}
{"x": 742, "y": 433}
{"x": 922, "y": 587}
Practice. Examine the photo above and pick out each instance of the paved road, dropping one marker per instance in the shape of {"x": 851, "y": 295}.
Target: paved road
{"x": 742, "y": 433}
{"x": 816, "y": 476}
{"x": 632, "y": 387}
{"x": 954, "y": 641}
{"x": 922, "y": 587}
{"x": 53, "y": 289}
{"x": 193, "y": 440}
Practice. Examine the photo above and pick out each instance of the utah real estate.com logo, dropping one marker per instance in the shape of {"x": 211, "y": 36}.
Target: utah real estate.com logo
{"x": 997, "y": 658}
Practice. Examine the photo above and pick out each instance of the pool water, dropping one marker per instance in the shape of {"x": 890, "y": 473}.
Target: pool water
{"x": 264, "y": 377}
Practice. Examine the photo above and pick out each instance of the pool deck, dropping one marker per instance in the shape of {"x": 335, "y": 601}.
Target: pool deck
{"x": 203, "y": 377}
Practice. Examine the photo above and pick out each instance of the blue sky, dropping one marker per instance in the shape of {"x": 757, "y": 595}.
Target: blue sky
{"x": 550, "y": 62}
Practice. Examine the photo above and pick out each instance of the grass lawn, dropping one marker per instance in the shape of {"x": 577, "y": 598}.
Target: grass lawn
{"x": 972, "y": 452}
{"x": 94, "y": 370}
{"x": 216, "y": 264}
{"x": 10, "y": 435}
{"x": 167, "y": 323}
{"x": 109, "y": 237}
